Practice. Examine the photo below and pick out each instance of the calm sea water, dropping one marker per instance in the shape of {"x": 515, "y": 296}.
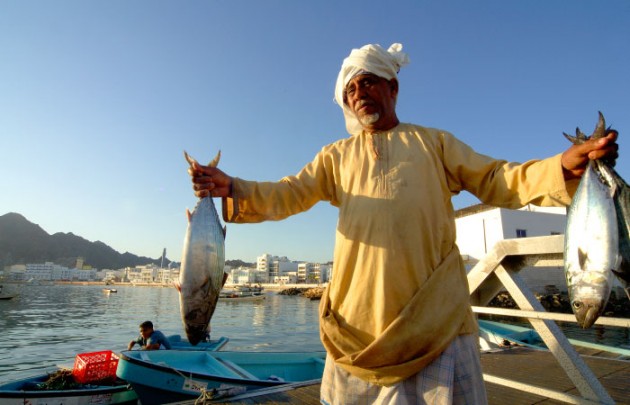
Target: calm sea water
{"x": 48, "y": 325}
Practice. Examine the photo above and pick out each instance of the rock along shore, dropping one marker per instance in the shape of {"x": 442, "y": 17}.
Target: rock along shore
{"x": 313, "y": 293}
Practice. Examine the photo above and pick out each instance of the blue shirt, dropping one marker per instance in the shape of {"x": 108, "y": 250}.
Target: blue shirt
{"x": 156, "y": 337}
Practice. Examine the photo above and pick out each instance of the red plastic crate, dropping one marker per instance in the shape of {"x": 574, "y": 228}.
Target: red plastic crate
{"x": 95, "y": 366}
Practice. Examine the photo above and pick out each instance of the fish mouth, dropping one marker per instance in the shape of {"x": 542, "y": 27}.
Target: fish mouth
{"x": 196, "y": 333}
{"x": 587, "y": 313}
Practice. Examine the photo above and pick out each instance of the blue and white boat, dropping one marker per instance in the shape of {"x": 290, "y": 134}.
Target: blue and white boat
{"x": 178, "y": 343}
{"x": 29, "y": 391}
{"x": 499, "y": 334}
{"x": 164, "y": 376}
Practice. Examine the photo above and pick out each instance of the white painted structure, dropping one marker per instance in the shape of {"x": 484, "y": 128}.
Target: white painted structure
{"x": 480, "y": 227}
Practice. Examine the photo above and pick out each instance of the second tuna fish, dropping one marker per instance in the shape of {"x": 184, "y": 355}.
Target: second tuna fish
{"x": 592, "y": 237}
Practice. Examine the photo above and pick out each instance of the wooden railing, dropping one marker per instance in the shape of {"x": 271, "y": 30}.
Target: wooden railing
{"x": 499, "y": 270}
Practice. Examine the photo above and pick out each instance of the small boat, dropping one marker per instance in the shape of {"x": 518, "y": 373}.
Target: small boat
{"x": 5, "y": 295}
{"x": 499, "y": 335}
{"x": 242, "y": 293}
{"x": 30, "y": 391}
{"x": 164, "y": 376}
{"x": 177, "y": 343}
{"x": 249, "y": 288}
{"x": 109, "y": 290}
{"x": 229, "y": 296}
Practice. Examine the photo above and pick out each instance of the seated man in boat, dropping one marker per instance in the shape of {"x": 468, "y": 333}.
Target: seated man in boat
{"x": 150, "y": 339}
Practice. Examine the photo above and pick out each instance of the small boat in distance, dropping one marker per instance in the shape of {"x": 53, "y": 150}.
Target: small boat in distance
{"x": 165, "y": 376}
{"x": 4, "y": 295}
{"x": 242, "y": 293}
{"x": 109, "y": 290}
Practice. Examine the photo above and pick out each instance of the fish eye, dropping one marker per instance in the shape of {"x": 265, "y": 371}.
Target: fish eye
{"x": 577, "y": 305}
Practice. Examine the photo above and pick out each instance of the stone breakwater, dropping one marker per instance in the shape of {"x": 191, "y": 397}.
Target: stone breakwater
{"x": 552, "y": 300}
{"x": 312, "y": 293}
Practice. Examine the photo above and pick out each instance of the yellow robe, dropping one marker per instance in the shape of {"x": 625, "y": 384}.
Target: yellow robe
{"x": 398, "y": 293}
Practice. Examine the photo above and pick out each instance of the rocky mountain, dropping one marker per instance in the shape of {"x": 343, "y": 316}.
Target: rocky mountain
{"x": 22, "y": 242}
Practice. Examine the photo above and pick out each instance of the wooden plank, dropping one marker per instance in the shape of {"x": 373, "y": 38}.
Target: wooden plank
{"x": 541, "y": 369}
{"x": 520, "y": 364}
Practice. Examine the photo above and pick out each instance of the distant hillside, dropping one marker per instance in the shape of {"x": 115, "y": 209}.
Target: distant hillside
{"x": 23, "y": 242}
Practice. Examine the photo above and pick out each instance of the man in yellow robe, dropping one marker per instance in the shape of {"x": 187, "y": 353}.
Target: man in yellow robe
{"x": 396, "y": 319}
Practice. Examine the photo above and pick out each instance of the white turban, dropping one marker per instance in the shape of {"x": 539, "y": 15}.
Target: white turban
{"x": 369, "y": 59}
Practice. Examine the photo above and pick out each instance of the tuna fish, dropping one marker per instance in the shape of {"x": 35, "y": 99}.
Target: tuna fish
{"x": 201, "y": 276}
{"x": 591, "y": 249}
{"x": 621, "y": 199}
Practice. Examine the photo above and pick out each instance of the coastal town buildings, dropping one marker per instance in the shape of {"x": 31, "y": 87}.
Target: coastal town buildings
{"x": 479, "y": 228}
{"x": 48, "y": 271}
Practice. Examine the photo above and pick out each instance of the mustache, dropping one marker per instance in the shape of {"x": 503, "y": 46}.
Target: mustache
{"x": 362, "y": 103}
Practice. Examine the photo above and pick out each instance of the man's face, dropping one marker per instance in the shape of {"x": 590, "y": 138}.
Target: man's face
{"x": 373, "y": 100}
{"x": 146, "y": 332}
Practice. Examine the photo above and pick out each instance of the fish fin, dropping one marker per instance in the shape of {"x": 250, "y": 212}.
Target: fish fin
{"x": 574, "y": 140}
{"x": 205, "y": 286}
{"x": 189, "y": 159}
{"x": 582, "y": 256}
{"x": 188, "y": 214}
{"x": 580, "y": 135}
{"x": 177, "y": 285}
{"x": 225, "y": 277}
{"x": 224, "y": 231}
{"x": 215, "y": 161}
{"x": 600, "y": 128}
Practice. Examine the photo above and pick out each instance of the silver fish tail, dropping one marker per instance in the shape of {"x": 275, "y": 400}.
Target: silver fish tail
{"x": 201, "y": 275}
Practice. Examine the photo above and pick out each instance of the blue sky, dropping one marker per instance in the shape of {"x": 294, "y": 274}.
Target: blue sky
{"x": 98, "y": 100}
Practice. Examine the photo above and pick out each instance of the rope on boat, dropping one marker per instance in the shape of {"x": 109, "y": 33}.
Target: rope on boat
{"x": 223, "y": 391}
{"x": 217, "y": 393}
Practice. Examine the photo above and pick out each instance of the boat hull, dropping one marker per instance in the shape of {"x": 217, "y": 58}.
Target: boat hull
{"x": 21, "y": 392}
{"x": 499, "y": 334}
{"x": 170, "y": 376}
{"x": 242, "y": 298}
{"x": 242, "y": 293}
{"x": 177, "y": 343}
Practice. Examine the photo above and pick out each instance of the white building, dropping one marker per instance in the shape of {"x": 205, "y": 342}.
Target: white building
{"x": 312, "y": 273}
{"x": 49, "y": 271}
{"x": 16, "y": 272}
{"x": 246, "y": 275}
{"x": 274, "y": 266}
{"x": 142, "y": 274}
{"x": 324, "y": 272}
{"x": 167, "y": 275}
{"x": 41, "y": 271}
{"x": 304, "y": 272}
{"x": 290, "y": 277}
{"x": 480, "y": 227}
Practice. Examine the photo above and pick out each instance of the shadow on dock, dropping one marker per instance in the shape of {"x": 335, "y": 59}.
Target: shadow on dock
{"x": 533, "y": 367}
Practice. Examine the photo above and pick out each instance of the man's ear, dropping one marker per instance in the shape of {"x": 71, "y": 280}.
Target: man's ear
{"x": 393, "y": 86}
